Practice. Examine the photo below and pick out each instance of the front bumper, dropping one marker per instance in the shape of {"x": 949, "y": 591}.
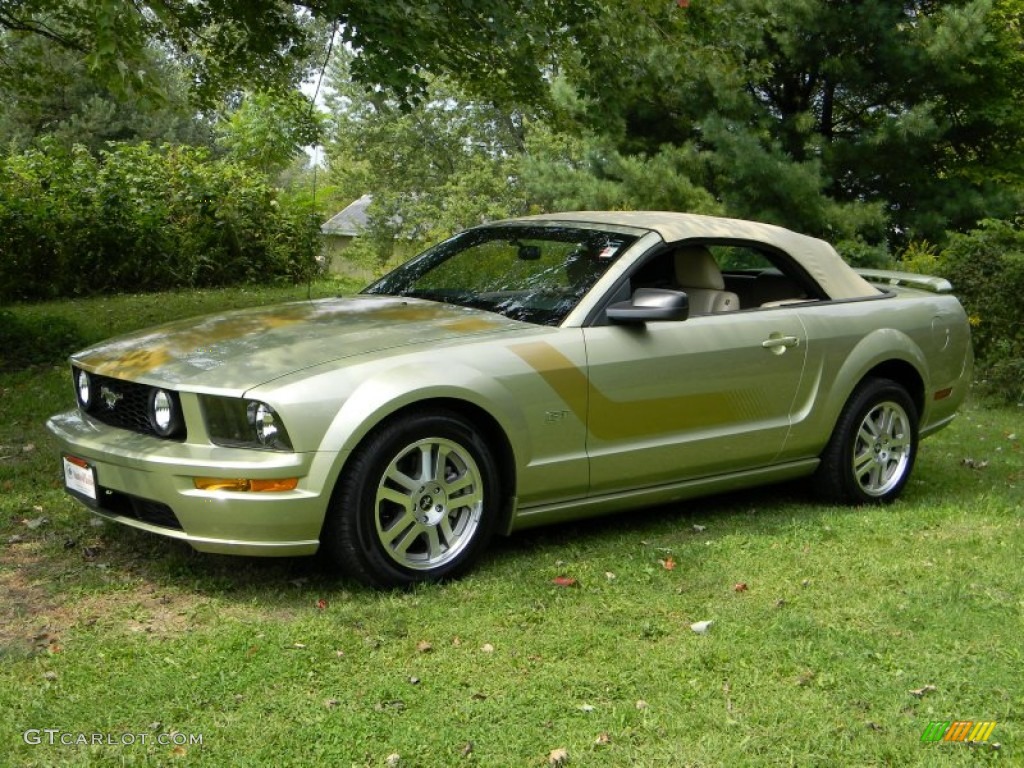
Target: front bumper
{"x": 148, "y": 483}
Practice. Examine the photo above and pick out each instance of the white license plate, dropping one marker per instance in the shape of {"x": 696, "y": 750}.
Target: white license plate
{"x": 80, "y": 477}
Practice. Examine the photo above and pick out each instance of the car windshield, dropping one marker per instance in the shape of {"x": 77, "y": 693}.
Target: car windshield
{"x": 530, "y": 273}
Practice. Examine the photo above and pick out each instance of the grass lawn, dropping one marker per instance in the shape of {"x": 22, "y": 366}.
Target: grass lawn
{"x": 838, "y": 634}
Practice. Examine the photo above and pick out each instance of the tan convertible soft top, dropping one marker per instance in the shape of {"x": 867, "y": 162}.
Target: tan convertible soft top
{"x": 816, "y": 256}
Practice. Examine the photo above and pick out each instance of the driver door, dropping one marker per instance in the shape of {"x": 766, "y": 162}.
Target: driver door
{"x": 681, "y": 400}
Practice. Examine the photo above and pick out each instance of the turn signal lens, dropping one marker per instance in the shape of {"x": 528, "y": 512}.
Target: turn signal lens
{"x": 243, "y": 485}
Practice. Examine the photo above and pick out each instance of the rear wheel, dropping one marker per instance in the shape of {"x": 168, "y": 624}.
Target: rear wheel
{"x": 872, "y": 450}
{"x": 417, "y": 502}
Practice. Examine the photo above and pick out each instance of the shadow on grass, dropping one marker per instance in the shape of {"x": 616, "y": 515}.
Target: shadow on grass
{"x": 276, "y": 581}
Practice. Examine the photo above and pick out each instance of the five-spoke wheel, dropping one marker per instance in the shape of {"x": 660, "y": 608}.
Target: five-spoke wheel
{"x": 872, "y": 450}
{"x": 429, "y": 503}
{"x": 418, "y": 501}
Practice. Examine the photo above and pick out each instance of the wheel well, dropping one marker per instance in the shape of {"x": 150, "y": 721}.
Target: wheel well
{"x": 489, "y": 428}
{"x": 904, "y": 374}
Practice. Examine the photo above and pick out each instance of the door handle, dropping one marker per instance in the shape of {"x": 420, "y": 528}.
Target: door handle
{"x": 778, "y": 343}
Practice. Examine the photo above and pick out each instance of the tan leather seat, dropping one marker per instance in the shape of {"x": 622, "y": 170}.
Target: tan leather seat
{"x": 699, "y": 276}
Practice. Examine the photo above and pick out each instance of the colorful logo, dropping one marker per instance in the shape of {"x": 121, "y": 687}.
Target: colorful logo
{"x": 968, "y": 731}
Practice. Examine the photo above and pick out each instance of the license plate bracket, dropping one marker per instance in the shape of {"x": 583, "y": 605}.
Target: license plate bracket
{"x": 80, "y": 479}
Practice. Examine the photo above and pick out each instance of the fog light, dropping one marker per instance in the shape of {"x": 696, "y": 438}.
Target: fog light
{"x": 163, "y": 413}
{"x": 83, "y": 386}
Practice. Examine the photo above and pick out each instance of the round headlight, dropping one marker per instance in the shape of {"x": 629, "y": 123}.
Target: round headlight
{"x": 264, "y": 422}
{"x": 163, "y": 414}
{"x": 83, "y": 386}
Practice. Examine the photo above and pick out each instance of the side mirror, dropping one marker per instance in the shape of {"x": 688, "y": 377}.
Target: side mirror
{"x": 651, "y": 305}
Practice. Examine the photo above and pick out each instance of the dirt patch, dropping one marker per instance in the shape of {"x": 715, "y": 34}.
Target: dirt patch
{"x": 35, "y": 618}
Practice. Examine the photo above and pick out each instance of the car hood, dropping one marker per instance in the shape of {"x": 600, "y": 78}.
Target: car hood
{"x": 235, "y": 351}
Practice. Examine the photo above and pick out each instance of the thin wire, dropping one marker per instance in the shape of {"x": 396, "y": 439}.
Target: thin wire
{"x": 312, "y": 106}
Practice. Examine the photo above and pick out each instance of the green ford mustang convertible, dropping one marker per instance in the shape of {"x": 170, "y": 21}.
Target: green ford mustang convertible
{"x": 520, "y": 373}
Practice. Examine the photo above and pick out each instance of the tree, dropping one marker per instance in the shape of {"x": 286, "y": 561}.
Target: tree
{"x": 501, "y": 47}
{"x": 47, "y": 90}
{"x": 909, "y": 110}
{"x": 444, "y": 164}
{"x": 269, "y": 130}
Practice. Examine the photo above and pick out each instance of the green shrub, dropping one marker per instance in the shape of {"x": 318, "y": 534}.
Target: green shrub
{"x": 139, "y": 218}
{"x": 986, "y": 268}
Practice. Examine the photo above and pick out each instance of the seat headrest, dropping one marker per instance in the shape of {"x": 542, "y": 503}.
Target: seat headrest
{"x": 696, "y": 268}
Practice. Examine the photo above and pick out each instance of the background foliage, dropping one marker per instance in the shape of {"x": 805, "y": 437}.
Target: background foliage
{"x": 139, "y": 218}
{"x": 878, "y": 126}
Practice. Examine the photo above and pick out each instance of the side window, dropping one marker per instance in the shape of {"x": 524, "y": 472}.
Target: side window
{"x": 726, "y": 277}
{"x": 761, "y": 278}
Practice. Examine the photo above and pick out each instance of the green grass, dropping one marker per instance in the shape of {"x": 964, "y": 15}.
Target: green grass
{"x": 107, "y": 631}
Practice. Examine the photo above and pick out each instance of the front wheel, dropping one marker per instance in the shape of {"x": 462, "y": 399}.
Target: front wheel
{"x": 872, "y": 450}
{"x": 417, "y": 502}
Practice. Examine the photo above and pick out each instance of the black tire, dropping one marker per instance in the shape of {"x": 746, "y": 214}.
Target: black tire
{"x": 871, "y": 453}
{"x": 418, "y": 501}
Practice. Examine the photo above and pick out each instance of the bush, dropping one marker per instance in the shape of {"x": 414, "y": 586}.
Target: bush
{"x": 138, "y": 218}
{"x": 986, "y": 268}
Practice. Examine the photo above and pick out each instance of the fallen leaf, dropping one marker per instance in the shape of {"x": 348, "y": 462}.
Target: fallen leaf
{"x": 558, "y": 757}
{"x": 424, "y": 646}
{"x": 701, "y": 627}
{"x": 487, "y": 648}
{"x": 603, "y": 739}
{"x": 467, "y": 750}
{"x": 641, "y": 704}
{"x": 564, "y": 581}
{"x": 179, "y": 751}
{"x": 339, "y": 653}
{"x": 51, "y": 675}
{"x": 920, "y": 692}
{"x": 740, "y": 587}
{"x": 609, "y": 575}
{"x": 669, "y": 563}
{"x": 393, "y": 760}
